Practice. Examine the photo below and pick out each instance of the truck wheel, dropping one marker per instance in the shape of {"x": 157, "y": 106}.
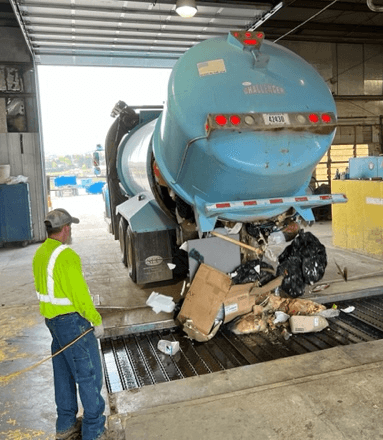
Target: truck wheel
{"x": 122, "y": 238}
{"x": 131, "y": 256}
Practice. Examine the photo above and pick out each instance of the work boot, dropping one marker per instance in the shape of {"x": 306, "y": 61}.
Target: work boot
{"x": 73, "y": 433}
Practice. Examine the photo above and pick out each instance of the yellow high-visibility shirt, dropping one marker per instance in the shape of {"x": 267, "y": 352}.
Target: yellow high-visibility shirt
{"x": 62, "y": 288}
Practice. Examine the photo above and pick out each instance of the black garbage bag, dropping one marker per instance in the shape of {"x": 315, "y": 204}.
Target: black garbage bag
{"x": 303, "y": 261}
{"x": 248, "y": 273}
{"x": 293, "y": 283}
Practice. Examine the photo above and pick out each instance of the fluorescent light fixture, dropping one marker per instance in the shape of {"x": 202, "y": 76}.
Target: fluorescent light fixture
{"x": 186, "y": 8}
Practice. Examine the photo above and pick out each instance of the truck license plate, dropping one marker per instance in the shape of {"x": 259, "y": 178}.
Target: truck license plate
{"x": 276, "y": 119}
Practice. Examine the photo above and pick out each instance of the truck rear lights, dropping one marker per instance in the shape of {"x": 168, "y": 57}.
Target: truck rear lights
{"x": 221, "y": 120}
{"x": 250, "y": 42}
{"x": 313, "y": 118}
{"x": 321, "y": 123}
{"x": 326, "y": 118}
{"x": 235, "y": 120}
{"x": 246, "y": 39}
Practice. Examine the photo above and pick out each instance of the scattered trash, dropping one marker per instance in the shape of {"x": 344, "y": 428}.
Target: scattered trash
{"x": 334, "y": 306}
{"x": 280, "y": 317}
{"x": 248, "y": 324}
{"x": 213, "y": 300}
{"x": 329, "y": 313}
{"x": 276, "y": 238}
{"x": 171, "y": 266}
{"x": 274, "y": 312}
{"x": 285, "y": 334}
{"x": 302, "y": 262}
{"x": 254, "y": 270}
{"x": 349, "y": 309}
{"x": 320, "y": 287}
{"x": 184, "y": 246}
{"x": 183, "y": 288}
{"x": 307, "y": 324}
{"x": 160, "y": 303}
{"x": 270, "y": 255}
{"x": 168, "y": 347}
{"x": 293, "y": 306}
{"x": 235, "y": 229}
{"x": 342, "y": 272}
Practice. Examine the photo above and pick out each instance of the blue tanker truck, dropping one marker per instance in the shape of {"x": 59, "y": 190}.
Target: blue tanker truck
{"x": 245, "y": 123}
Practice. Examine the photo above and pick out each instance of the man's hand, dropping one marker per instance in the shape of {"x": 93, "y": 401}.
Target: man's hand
{"x": 99, "y": 331}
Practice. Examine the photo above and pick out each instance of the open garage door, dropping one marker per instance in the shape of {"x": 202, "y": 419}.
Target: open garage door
{"x": 355, "y": 140}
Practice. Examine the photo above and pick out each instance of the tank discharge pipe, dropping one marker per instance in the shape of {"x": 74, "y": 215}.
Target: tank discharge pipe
{"x": 186, "y": 152}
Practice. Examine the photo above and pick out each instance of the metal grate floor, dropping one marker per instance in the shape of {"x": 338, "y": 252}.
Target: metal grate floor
{"x": 134, "y": 361}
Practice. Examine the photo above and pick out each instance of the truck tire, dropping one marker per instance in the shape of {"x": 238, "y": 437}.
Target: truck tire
{"x": 122, "y": 226}
{"x": 131, "y": 256}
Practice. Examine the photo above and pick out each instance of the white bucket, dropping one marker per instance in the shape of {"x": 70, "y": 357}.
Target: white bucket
{"x": 5, "y": 172}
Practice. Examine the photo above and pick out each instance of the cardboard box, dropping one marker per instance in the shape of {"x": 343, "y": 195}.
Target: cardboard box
{"x": 210, "y": 290}
{"x": 241, "y": 298}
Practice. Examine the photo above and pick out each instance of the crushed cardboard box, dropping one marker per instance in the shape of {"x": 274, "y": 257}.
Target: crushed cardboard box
{"x": 211, "y": 290}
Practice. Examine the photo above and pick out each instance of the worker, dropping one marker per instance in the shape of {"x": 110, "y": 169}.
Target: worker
{"x": 68, "y": 309}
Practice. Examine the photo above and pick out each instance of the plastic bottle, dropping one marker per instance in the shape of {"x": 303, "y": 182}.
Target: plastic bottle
{"x": 168, "y": 347}
{"x": 347, "y": 173}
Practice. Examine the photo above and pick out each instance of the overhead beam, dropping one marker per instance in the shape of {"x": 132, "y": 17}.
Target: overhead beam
{"x": 95, "y": 49}
{"x": 109, "y": 53}
{"x": 32, "y": 31}
{"x": 338, "y": 6}
{"x": 142, "y": 21}
{"x": 109, "y": 47}
{"x": 315, "y": 26}
{"x": 125, "y": 10}
{"x": 102, "y": 39}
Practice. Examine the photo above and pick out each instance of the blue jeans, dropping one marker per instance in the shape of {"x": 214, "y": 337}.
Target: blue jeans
{"x": 79, "y": 364}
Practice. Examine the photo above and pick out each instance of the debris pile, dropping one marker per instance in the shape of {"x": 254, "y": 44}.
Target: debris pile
{"x": 274, "y": 312}
{"x": 213, "y": 300}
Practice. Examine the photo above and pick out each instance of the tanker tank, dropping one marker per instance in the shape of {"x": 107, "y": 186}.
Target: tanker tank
{"x": 245, "y": 123}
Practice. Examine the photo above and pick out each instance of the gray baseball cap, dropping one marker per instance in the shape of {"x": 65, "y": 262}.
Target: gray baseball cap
{"x": 59, "y": 217}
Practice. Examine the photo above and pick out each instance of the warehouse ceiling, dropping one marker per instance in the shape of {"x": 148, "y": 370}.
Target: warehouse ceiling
{"x": 150, "y": 33}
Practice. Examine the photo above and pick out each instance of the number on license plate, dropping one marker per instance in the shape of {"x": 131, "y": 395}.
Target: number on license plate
{"x": 276, "y": 119}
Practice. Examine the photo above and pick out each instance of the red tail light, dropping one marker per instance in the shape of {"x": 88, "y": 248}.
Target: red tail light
{"x": 250, "y": 42}
{"x": 313, "y": 118}
{"x": 326, "y": 118}
{"x": 221, "y": 120}
{"x": 235, "y": 120}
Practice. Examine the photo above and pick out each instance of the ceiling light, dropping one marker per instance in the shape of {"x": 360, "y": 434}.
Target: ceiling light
{"x": 186, "y": 8}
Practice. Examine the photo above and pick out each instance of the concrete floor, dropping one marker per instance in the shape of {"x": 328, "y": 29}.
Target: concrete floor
{"x": 332, "y": 394}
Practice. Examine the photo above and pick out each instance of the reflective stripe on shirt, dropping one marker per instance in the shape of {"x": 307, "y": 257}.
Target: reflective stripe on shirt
{"x": 50, "y": 298}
